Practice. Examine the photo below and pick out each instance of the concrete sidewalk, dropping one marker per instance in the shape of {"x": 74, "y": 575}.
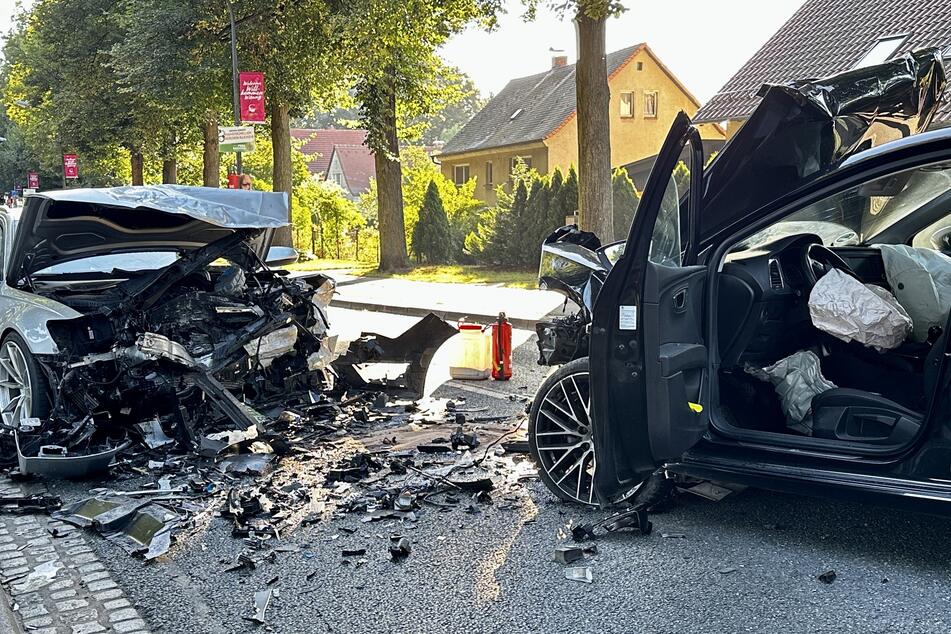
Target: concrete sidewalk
{"x": 478, "y": 303}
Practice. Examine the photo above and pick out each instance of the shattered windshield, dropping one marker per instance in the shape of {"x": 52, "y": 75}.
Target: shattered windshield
{"x": 858, "y": 214}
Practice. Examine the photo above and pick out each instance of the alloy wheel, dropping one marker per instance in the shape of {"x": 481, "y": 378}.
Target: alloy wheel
{"x": 563, "y": 437}
{"x": 16, "y": 391}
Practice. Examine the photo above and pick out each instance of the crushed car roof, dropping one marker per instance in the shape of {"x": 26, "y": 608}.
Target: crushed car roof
{"x": 233, "y": 208}
{"x": 804, "y": 130}
{"x": 67, "y": 225}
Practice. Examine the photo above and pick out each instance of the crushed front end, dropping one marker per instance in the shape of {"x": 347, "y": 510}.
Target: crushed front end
{"x": 201, "y": 345}
{"x": 570, "y": 265}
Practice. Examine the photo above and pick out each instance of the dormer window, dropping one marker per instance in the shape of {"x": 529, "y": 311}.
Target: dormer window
{"x": 881, "y": 51}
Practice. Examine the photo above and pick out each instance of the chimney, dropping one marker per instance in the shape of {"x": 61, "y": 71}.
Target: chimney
{"x": 557, "y": 61}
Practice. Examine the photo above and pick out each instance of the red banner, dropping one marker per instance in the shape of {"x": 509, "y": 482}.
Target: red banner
{"x": 251, "y": 97}
{"x": 70, "y": 166}
{"x": 32, "y": 180}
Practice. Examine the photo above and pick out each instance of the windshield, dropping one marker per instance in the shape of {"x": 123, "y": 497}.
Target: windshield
{"x": 858, "y": 214}
{"x": 114, "y": 261}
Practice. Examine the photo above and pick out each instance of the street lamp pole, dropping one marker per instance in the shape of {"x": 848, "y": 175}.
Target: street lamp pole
{"x": 234, "y": 77}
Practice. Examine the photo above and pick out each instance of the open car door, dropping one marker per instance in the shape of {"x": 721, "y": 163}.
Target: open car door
{"x": 647, "y": 354}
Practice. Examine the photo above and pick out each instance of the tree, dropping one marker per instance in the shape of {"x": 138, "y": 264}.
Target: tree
{"x": 459, "y": 102}
{"x": 593, "y": 95}
{"x": 626, "y": 199}
{"x": 174, "y": 58}
{"x": 63, "y": 91}
{"x": 292, "y": 44}
{"x": 397, "y": 67}
{"x": 432, "y": 237}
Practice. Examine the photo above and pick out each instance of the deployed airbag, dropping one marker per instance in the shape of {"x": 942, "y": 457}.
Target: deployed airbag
{"x": 851, "y": 311}
{"x": 921, "y": 279}
{"x": 797, "y": 379}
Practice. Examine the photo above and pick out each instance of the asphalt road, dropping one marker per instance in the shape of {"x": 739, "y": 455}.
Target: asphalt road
{"x": 748, "y": 563}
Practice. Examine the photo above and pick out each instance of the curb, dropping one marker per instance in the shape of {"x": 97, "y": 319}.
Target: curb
{"x": 451, "y": 316}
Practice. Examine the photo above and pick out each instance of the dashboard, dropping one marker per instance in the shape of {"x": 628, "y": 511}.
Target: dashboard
{"x": 763, "y": 294}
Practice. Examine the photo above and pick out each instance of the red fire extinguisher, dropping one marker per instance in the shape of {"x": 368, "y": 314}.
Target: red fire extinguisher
{"x": 502, "y": 349}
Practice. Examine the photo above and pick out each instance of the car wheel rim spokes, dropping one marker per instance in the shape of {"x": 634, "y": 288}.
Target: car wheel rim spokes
{"x": 563, "y": 437}
{"x": 16, "y": 394}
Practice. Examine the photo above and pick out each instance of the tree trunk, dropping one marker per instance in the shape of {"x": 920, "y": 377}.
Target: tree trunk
{"x": 169, "y": 171}
{"x": 281, "y": 154}
{"x": 595, "y": 202}
{"x": 210, "y": 158}
{"x": 169, "y": 160}
{"x": 137, "y": 162}
{"x": 389, "y": 187}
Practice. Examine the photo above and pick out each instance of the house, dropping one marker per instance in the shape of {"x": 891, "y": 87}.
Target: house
{"x": 825, "y": 37}
{"x": 319, "y": 144}
{"x": 351, "y": 167}
{"x": 534, "y": 118}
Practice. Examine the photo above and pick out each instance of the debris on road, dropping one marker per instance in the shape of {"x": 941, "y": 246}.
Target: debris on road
{"x": 399, "y": 548}
{"x": 713, "y": 491}
{"x": 827, "y": 577}
{"x": 582, "y": 574}
{"x": 262, "y": 599}
{"x": 568, "y": 554}
{"x": 23, "y": 504}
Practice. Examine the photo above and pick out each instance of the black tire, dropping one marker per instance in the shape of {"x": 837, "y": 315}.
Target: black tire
{"x": 42, "y": 403}
{"x": 651, "y": 491}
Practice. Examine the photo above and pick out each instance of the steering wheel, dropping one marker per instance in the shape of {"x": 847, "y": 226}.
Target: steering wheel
{"x": 817, "y": 260}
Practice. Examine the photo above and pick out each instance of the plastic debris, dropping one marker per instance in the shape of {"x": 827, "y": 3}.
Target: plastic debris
{"x": 262, "y": 599}
{"x": 582, "y": 574}
{"x": 568, "y": 554}
{"x": 400, "y": 548}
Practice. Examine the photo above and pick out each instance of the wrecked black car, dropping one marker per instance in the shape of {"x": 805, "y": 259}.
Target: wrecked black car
{"x": 148, "y": 311}
{"x": 778, "y": 318}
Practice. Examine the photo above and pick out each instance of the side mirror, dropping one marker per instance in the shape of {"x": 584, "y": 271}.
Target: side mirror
{"x": 281, "y": 256}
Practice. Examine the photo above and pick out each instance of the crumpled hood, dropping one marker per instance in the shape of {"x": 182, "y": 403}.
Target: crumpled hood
{"x": 805, "y": 129}
{"x": 60, "y": 226}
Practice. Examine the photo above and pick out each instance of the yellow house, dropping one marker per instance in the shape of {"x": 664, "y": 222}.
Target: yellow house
{"x": 535, "y": 118}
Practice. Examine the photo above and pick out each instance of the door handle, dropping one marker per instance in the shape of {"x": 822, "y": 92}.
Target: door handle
{"x": 680, "y": 300}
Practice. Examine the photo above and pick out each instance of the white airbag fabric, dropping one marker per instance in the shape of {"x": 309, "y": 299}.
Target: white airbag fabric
{"x": 851, "y": 311}
{"x": 797, "y": 379}
{"x": 921, "y": 279}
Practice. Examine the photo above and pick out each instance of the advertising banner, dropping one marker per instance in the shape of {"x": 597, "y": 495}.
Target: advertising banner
{"x": 251, "y": 97}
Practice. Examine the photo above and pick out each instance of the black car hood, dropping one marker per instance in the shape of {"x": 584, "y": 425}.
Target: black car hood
{"x": 61, "y": 226}
{"x": 570, "y": 265}
{"x": 805, "y": 129}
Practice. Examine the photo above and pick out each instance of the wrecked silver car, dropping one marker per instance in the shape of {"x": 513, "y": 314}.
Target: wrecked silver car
{"x": 148, "y": 312}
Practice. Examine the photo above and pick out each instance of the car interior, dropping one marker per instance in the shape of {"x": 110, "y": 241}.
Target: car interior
{"x": 880, "y": 398}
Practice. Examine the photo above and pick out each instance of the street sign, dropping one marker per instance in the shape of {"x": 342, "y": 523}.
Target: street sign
{"x": 70, "y": 166}
{"x": 29, "y": 191}
{"x": 236, "y": 139}
{"x": 32, "y": 180}
{"x": 251, "y": 97}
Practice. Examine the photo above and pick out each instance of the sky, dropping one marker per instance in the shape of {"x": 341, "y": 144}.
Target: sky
{"x": 703, "y": 43}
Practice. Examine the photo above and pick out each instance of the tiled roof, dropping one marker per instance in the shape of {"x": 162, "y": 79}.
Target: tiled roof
{"x": 825, "y": 37}
{"x": 319, "y": 145}
{"x": 358, "y": 166}
{"x": 543, "y": 102}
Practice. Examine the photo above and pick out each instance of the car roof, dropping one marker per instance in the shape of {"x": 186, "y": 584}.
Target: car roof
{"x": 912, "y": 141}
